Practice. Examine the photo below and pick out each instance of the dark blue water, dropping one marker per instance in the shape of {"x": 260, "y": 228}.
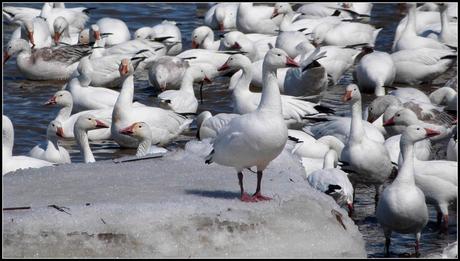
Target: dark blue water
{"x": 23, "y": 99}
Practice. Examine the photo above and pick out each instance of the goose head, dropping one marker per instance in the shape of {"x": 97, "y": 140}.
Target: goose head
{"x": 379, "y": 105}
{"x": 230, "y": 40}
{"x": 126, "y": 68}
{"x": 235, "y": 61}
{"x": 60, "y": 26}
{"x": 94, "y": 33}
{"x": 88, "y": 122}
{"x": 281, "y": 8}
{"x": 414, "y": 133}
{"x": 142, "y": 33}
{"x": 54, "y": 129}
{"x": 13, "y": 47}
{"x": 278, "y": 58}
{"x": 352, "y": 94}
{"x": 29, "y": 27}
{"x": 139, "y": 130}
{"x": 83, "y": 37}
{"x": 62, "y": 98}
{"x": 403, "y": 117}
{"x": 200, "y": 74}
{"x": 200, "y": 34}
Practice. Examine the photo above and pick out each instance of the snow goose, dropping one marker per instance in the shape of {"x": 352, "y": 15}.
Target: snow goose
{"x": 221, "y": 16}
{"x": 209, "y": 126}
{"x": 64, "y": 99}
{"x": 10, "y": 162}
{"x": 374, "y": 71}
{"x": 116, "y": 28}
{"x": 421, "y": 65}
{"x": 344, "y": 34}
{"x": 52, "y": 152}
{"x": 18, "y": 14}
{"x": 255, "y": 19}
{"x": 333, "y": 181}
{"x": 245, "y": 101}
{"x": 402, "y": 206}
{"x": 184, "y": 100}
{"x": 445, "y": 96}
{"x": 410, "y": 40}
{"x": 166, "y": 72}
{"x": 405, "y": 117}
{"x": 445, "y": 32}
{"x": 141, "y": 131}
{"x": 422, "y": 149}
{"x": 171, "y": 35}
{"x": 255, "y": 48}
{"x": 62, "y": 33}
{"x": 37, "y": 33}
{"x": 307, "y": 146}
{"x": 76, "y": 17}
{"x": 85, "y": 123}
{"x": 288, "y": 41}
{"x": 369, "y": 160}
{"x": 202, "y": 56}
{"x": 86, "y": 97}
{"x": 165, "y": 125}
{"x": 203, "y": 37}
{"x": 256, "y": 138}
{"x": 45, "y": 63}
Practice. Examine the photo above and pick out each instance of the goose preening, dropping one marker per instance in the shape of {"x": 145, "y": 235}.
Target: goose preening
{"x": 141, "y": 131}
{"x": 374, "y": 71}
{"x": 255, "y": 49}
{"x": 445, "y": 96}
{"x": 10, "y": 162}
{"x": 258, "y": 137}
{"x": 76, "y": 17}
{"x": 184, "y": 100}
{"x": 245, "y": 101}
{"x": 203, "y": 38}
{"x": 255, "y": 19}
{"x": 166, "y": 72}
{"x": 85, "y": 123}
{"x": 67, "y": 120}
{"x": 116, "y": 29}
{"x": 165, "y": 125}
{"x": 333, "y": 181}
{"x": 62, "y": 32}
{"x": 221, "y": 16}
{"x": 52, "y": 152}
{"x": 402, "y": 207}
{"x": 369, "y": 160}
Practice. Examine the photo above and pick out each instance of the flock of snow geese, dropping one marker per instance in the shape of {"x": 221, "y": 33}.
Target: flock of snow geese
{"x": 297, "y": 53}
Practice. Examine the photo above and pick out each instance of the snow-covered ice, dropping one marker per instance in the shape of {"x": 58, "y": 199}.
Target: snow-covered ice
{"x": 175, "y": 206}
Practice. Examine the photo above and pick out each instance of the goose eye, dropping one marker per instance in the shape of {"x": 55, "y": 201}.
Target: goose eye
{"x": 279, "y": 54}
{"x": 53, "y": 125}
{"x": 398, "y": 115}
{"x": 195, "y": 36}
{"x": 370, "y": 109}
{"x": 89, "y": 119}
{"x": 140, "y": 127}
{"x": 418, "y": 128}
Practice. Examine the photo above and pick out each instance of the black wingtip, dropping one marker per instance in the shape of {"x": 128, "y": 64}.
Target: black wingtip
{"x": 209, "y": 157}
{"x": 141, "y": 51}
{"x": 86, "y": 11}
{"x": 294, "y": 139}
{"x": 336, "y": 13}
{"x": 324, "y": 109}
{"x": 332, "y": 188}
{"x": 450, "y": 56}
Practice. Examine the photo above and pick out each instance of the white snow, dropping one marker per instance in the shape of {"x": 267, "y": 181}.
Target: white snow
{"x": 175, "y": 206}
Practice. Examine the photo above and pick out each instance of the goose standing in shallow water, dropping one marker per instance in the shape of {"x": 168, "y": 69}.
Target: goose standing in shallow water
{"x": 83, "y": 124}
{"x": 369, "y": 160}
{"x": 402, "y": 207}
{"x": 52, "y": 152}
{"x": 10, "y": 162}
{"x": 256, "y": 138}
{"x": 141, "y": 131}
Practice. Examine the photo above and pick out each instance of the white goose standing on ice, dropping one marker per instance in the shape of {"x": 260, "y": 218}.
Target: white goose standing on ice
{"x": 256, "y": 138}
{"x": 402, "y": 207}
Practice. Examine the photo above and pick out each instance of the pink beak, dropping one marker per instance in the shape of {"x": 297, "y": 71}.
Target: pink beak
{"x": 431, "y": 133}
{"x": 60, "y": 132}
{"x": 347, "y": 96}
{"x": 51, "y": 101}
{"x": 6, "y": 56}
{"x": 56, "y": 38}
{"x": 291, "y": 63}
{"x": 100, "y": 124}
{"x": 221, "y": 27}
{"x": 275, "y": 13}
{"x": 127, "y": 130}
{"x": 370, "y": 119}
{"x": 31, "y": 38}
{"x": 206, "y": 79}
{"x": 389, "y": 122}
{"x": 124, "y": 69}
{"x": 236, "y": 46}
{"x": 223, "y": 67}
{"x": 195, "y": 45}
{"x": 97, "y": 35}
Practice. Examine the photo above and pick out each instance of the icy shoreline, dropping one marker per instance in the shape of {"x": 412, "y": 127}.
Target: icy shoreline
{"x": 175, "y": 206}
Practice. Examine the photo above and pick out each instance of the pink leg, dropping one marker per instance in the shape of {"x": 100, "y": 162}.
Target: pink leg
{"x": 245, "y": 197}
{"x": 445, "y": 226}
{"x": 417, "y": 244}
{"x": 350, "y": 209}
{"x": 439, "y": 218}
{"x": 258, "y": 195}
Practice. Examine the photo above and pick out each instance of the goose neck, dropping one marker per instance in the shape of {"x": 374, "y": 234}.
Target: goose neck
{"x": 82, "y": 140}
{"x": 127, "y": 92}
{"x": 64, "y": 113}
{"x": 356, "y": 129}
{"x": 271, "y": 98}
{"x": 330, "y": 160}
{"x": 410, "y": 29}
{"x": 406, "y": 171}
{"x": 187, "y": 82}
